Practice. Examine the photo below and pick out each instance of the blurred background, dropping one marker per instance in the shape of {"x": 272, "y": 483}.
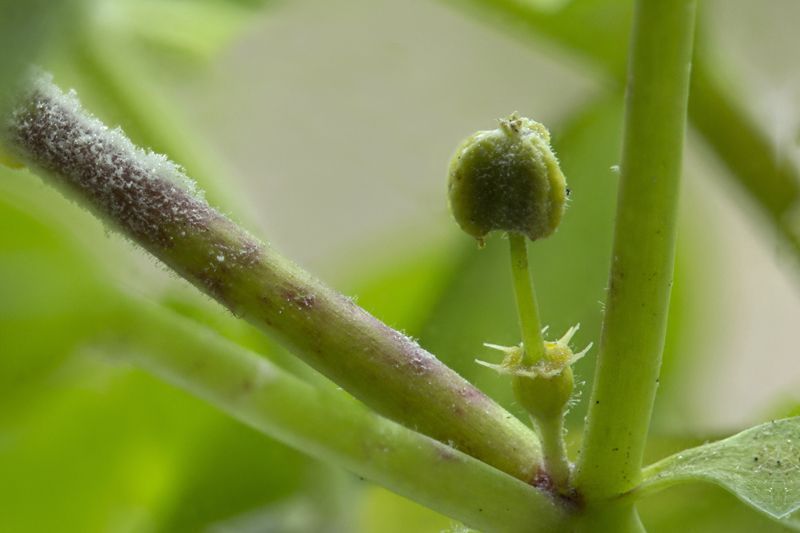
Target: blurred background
{"x": 326, "y": 128}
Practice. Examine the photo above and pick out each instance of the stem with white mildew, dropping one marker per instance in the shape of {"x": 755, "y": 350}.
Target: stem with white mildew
{"x": 150, "y": 200}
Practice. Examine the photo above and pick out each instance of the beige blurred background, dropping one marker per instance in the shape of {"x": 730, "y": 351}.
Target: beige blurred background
{"x": 293, "y": 103}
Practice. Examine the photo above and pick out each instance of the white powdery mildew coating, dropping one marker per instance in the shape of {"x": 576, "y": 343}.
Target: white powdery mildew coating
{"x": 143, "y": 191}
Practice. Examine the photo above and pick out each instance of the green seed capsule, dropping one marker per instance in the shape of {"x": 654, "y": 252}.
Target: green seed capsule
{"x": 545, "y": 397}
{"x": 507, "y": 179}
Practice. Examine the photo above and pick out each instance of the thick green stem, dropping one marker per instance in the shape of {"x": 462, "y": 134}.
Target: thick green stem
{"x": 527, "y": 310}
{"x": 644, "y": 241}
{"x": 331, "y": 425}
{"x": 147, "y": 198}
{"x": 608, "y": 517}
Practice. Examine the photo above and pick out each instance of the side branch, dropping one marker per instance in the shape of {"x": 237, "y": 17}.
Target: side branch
{"x": 153, "y": 203}
{"x": 330, "y": 425}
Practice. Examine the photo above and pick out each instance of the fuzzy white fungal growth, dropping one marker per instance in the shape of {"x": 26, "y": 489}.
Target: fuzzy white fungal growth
{"x": 150, "y": 200}
{"x": 142, "y": 190}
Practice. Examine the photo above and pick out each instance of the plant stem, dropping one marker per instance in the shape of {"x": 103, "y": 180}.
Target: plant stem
{"x": 608, "y": 517}
{"x": 551, "y": 433}
{"x": 527, "y": 310}
{"x": 146, "y": 197}
{"x": 644, "y": 240}
{"x": 330, "y": 425}
{"x": 550, "y": 426}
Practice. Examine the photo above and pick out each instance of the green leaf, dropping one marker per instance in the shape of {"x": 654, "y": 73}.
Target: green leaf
{"x": 129, "y": 448}
{"x": 120, "y": 87}
{"x": 387, "y": 512}
{"x": 703, "y": 507}
{"x": 53, "y": 291}
{"x": 768, "y": 178}
{"x": 26, "y": 28}
{"x": 104, "y": 448}
{"x": 597, "y": 29}
{"x": 198, "y": 28}
{"x": 404, "y": 290}
{"x": 761, "y": 466}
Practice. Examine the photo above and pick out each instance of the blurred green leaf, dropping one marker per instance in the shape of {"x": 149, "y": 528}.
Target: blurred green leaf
{"x": 239, "y": 476}
{"x": 109, "y": 449}
{"x": 771, "y": 180}
{"x": 596, "y": 29}
{"x": 26, "y": 28}
{"x": 761, "y": 466}
{"x": 197, "y": 28}
{"x": 404, "y": 292}
{"x": 253, "y": 4}
{"x": 131, "y": 452}
{"x": 387, "y": 512}
{"x": 115, "y": 83}
{"x": 702, "y": 508}
{"x": 53, "y": 294}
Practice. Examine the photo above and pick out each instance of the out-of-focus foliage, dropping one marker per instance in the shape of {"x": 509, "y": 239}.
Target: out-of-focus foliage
{"x": 76, "y": 427}
{"x": 595, "y": 31}
{"x": 703, "y": 508}
{"x": 90, "y": 445}
{"x": 36, "y": 297}
{"x": 192, "y": 28}
{"x": 26, "y": 29}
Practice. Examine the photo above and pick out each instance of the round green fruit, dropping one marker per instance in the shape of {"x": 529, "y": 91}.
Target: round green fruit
{"x": 507, "y": 179}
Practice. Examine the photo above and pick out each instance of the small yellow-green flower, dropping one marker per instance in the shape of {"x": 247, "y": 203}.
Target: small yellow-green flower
{"x": 545, "y": 388}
